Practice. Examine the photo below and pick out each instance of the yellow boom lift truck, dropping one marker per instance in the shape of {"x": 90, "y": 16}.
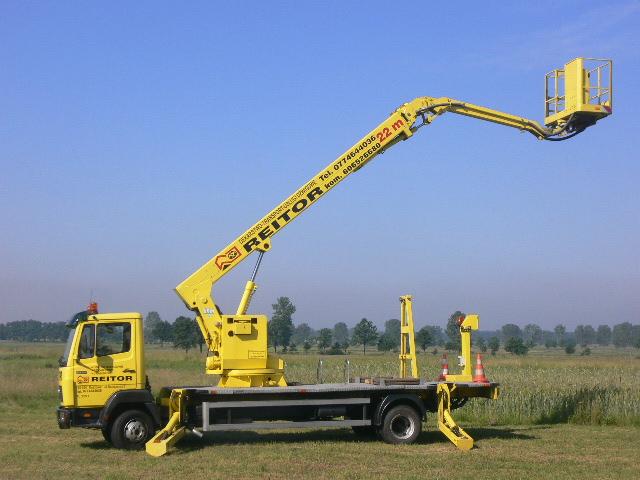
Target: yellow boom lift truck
{"x": 103, "y": 385}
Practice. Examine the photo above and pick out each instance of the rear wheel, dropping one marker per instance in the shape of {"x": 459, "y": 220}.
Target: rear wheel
{"x": 401, "y": 425}
{"x": 131, "y": 430}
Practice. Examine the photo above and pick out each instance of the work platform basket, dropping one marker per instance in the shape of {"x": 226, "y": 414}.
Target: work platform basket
{"x": 583, "y": 89}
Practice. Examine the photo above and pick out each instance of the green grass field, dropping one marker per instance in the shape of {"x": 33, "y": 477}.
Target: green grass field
{"x": 559, "y": 415}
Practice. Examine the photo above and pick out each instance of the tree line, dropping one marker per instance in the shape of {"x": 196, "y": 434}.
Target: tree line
{"x": 520, "y": 340}
{"x": 289, "y": 337}
{"x": 285, "y": 336}
{"x": 34, "y": 331}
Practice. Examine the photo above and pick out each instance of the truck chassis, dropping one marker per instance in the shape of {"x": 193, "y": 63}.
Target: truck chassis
{"x": 392, "y": 411}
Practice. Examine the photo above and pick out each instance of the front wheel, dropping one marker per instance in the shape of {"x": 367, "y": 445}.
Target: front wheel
{"x": 131, "y": 430}
{"x": 401, "y": 425}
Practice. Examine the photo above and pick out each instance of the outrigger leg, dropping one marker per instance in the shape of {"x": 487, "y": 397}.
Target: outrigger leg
{"x": 446, "y": 423}
{"x": 173, "y": 431}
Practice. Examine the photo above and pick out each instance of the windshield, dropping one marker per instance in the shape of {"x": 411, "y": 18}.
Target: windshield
{"x": 62, "y": 361}
{"x": 71, "y": 325}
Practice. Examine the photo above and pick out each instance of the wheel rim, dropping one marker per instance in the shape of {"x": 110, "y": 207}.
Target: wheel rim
{"x": 135, "y": 430}
{"x": 402, "y": 427}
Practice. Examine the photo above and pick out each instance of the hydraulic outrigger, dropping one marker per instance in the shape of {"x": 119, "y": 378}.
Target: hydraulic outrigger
{"x": 453, "y": 386}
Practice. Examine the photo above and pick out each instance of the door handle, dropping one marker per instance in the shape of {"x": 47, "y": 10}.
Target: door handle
{"x": 128, "y": 370}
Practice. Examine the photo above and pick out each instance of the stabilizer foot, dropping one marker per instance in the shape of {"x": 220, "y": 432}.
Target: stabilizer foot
{"x": 160, "y": 444}
{"x": 172, "y": 432}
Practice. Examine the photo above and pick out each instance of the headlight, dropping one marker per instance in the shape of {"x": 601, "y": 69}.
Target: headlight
{"x": 60, "y": 393}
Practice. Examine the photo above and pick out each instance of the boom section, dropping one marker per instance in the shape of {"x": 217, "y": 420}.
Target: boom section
{"x": 196, "y": 290}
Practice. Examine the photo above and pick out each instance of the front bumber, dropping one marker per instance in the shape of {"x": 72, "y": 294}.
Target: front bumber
{"x": 78, "y": 417}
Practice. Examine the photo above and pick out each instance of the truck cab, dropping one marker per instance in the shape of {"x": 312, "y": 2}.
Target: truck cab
{"x": 102, "y": 376}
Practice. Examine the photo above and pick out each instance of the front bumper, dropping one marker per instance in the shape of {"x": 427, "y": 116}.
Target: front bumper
{"x": 78, "y": 417}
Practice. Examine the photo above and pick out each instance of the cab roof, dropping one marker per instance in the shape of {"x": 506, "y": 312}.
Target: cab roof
{"x": 115, "y": 316}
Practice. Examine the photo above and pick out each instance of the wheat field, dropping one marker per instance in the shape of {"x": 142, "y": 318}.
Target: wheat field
{"x": 580, "y": 415}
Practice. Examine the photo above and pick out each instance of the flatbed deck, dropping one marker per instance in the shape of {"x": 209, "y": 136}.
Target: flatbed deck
{"x": 309, "y": 405}
{"x": 330, "y": 388}
{"x": 365, "y": 407}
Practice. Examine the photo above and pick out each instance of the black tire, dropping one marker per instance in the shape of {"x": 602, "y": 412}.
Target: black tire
{"x": 131, "y": 430}
{"x": 365, "y": 431}
{"x": 106, "y": 433}
{"x": 401, "y": 425}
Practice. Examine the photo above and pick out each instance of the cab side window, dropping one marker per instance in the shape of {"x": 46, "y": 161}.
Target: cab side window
{"x": 113, "y": 338}
{"x": 87, "y": 342}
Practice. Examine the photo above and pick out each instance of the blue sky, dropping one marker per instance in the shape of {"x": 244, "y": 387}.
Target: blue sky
{"x": 139, "y": 138}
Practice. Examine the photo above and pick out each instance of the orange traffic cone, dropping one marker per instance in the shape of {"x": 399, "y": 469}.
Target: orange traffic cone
{"x": 445, "y": 368}
{"x": 478, "y": 375}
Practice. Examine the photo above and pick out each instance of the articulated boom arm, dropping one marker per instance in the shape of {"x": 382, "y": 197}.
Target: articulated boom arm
{"x": 576, "y": 97}
{"x": 196, "y": 290}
